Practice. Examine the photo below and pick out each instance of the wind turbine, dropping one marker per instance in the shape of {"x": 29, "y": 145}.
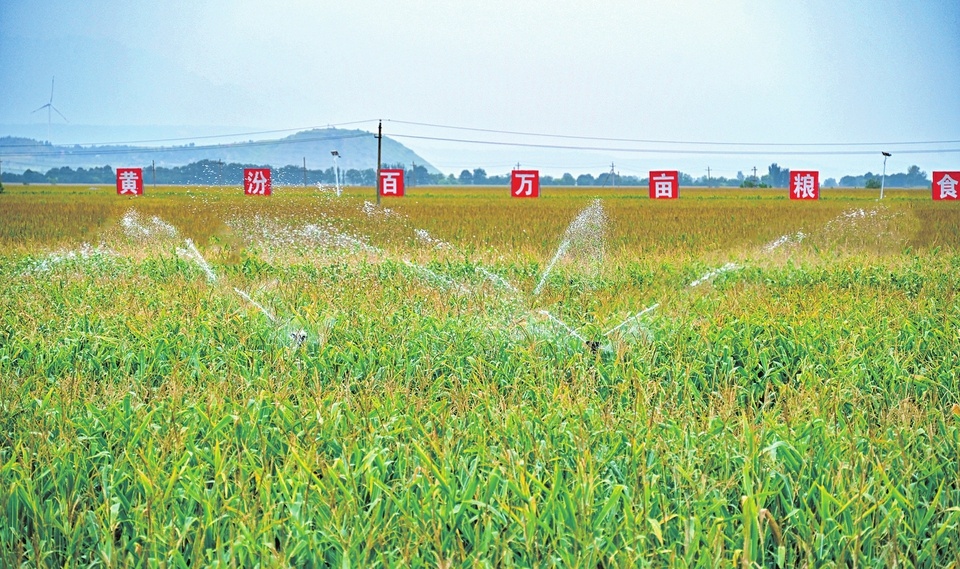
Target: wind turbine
{"x": 49, "y": 106}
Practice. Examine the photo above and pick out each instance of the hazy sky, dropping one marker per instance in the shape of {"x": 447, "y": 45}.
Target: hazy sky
{"x": 750, "y": 71}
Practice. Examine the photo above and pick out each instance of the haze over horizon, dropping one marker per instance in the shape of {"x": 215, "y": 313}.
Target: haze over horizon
{"x": 819, "y": 76}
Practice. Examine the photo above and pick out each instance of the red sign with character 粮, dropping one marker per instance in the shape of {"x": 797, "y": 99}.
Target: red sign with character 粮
{"x": 804, "y": 185}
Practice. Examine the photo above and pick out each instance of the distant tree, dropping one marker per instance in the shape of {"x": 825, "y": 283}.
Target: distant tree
{"x": 466, "y": 177}
{"x": 872, "y": 184}
{"x": 567, "y": 179}
{"x": 479, "y": 176}
{"x": 778, "y": 177}
{"x": 585, "y": 180}
{"x": 830, "y": 183}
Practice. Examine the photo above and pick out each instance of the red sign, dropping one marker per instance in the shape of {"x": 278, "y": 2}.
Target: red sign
{"x": 525, "y": 183}
{"x": 391, "y": 182}
{"x": 804, "y": 185}
{"x": 945, "y": 185}
{"x": 130, "y": 181}
{"x": 256, "y": 181}
{"x": 664, "y": 185}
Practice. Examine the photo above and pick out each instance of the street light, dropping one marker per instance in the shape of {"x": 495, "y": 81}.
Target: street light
{"x": 883, "y": 179}
{"x": 336, "y": 169}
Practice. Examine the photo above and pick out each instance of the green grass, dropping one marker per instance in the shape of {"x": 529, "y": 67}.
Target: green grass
{"x": 802, "y": 409}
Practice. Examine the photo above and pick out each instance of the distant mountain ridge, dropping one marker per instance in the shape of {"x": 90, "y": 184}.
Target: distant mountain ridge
{"x": 357, "y": 150}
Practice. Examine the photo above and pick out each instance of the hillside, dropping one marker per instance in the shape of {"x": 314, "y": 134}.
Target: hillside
{"x": 357, "y": 148}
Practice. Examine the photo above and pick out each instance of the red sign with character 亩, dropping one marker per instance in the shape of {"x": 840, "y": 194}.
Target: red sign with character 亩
{"x": 525, "y": 183}
{"x": 256, "y": 181}
{"x": 945, "y": 185}
{"x": 129, "y": 181}
{"x": 804, "y": 185}
{"x": 391, "y": 182}
{"x": 664, "y": 185}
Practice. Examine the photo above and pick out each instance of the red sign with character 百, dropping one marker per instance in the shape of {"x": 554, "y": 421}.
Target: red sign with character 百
{"x": 664, "y": 185}
{"x": 256, "y": 181}
{"x": 525, "y": 183}
{"x": 804, "y": 185}
{"x": 129, "y": 181}
{"x": 945, "y": 185}
{"x": 391, "y": 182}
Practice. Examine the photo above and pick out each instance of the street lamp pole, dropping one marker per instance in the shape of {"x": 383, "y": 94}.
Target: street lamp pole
{"x": 883, "y": 178}
{"x": 336, "y": 170}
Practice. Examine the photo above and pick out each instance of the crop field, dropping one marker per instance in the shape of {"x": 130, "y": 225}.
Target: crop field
{"x": 195, "y": 378}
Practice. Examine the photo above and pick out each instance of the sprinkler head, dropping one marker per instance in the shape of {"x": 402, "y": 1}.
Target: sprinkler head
{"x": 298, "y": 337}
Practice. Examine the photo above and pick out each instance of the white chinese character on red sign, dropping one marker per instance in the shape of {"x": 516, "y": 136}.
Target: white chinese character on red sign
{"x": 805, "y": 185}
{"x": 664, "y": 184}
{"x": 256, "y": 181}
{"x": 129, "y": 181}
{"x": 391, "y": 182}
{"x": 525, "y": 183}
{"x": 948, "y": 187}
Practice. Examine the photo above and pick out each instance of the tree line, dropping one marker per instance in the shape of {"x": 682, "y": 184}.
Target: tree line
{"x": 218, "y": 173}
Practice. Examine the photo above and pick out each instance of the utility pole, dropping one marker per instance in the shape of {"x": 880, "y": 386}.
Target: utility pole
{"x": 755, "y": 174}
{"x": 708, "y": 176}
{"x": 304, "y": 171}
{"x": 413, "y": 175}
{"x": 153, "y": 166}
{"x": 613, "y": 176}
{"x": 376, "y": 183}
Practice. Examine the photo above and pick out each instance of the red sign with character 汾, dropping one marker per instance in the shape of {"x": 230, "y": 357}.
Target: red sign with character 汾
{"x": 129, "y": 181}
{"x": 525, "y": 183}
{"x": 804, "y": 185}
{"x": 945, "y": 185}
{"x": 391, "y": 182}
{"x": 664, "y": 185}
{"x": 256, "y": 181}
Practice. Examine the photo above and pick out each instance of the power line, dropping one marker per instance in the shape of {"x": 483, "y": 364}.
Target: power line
{"x": 678, "y": 151}
{"x": 687, "y": 142}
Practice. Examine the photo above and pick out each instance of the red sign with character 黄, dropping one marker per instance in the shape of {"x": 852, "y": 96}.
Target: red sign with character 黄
{"x": 391, "y": 182}
{"x": 664, "y": 185}
{"x": 804, "y": 185}
{"x": 129, "y": 181}
{"x": 525, "y": 183}
{"x": 256, "y": 181}
{"x": 945, "y": 185}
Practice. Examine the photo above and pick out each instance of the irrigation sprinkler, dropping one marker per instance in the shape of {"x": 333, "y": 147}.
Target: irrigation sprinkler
{"x": 883, "y": 178}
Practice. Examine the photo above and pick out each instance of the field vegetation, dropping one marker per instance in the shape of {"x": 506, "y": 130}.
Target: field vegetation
{"x": 197, "y": 378}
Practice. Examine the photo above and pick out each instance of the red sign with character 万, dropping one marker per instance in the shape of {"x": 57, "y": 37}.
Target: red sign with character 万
{"x": 525, "y": 183}
{"x": 129, "y": 181}
{"x": 945, "y": 185}
{"x": 391, "y": 182}
{"x": 256, "y": 181}
{"x": 665, "y": 185}
{"x": 804, "y": 185}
